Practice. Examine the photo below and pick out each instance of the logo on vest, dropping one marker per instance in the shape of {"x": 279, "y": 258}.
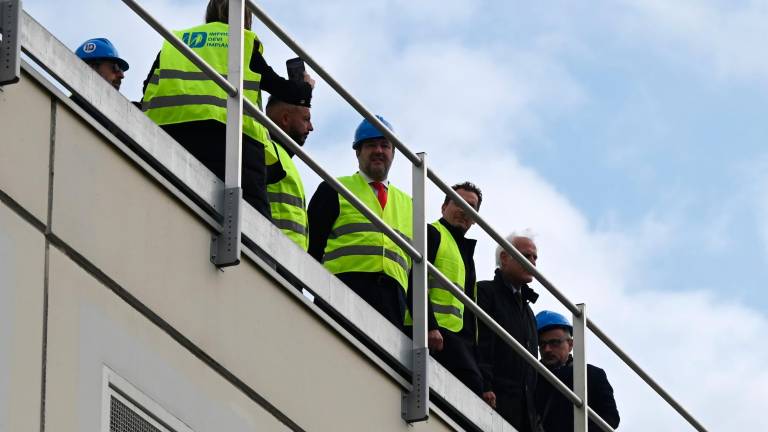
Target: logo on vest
{"x": 89, "y": 47}
{"x": 195, "y": 39}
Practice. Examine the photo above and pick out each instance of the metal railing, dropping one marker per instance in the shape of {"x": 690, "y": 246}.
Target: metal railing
{"x": 416, "y": 402}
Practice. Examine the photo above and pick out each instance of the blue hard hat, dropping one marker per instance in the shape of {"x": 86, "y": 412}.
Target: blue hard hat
{"x": 547, "y": 320}
{"x": 366, "y": 130}
{"x": 100, "y": 49}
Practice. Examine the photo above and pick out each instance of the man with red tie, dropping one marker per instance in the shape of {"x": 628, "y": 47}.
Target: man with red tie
{"x": 351, "y": 246}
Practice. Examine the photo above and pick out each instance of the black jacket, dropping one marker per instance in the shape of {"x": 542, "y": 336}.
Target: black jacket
{"x": 504, "y": 372}
{"x": 557, "y": 412}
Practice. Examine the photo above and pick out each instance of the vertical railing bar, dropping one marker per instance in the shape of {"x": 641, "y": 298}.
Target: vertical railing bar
{"x": 580, "y": 369}
{"x": 226, "y": 247}
{"x": 347, "y": 96}
{"x": 644, "y": 376}
{"x": 235, "y": 102}
{"x": 416, "y": 402}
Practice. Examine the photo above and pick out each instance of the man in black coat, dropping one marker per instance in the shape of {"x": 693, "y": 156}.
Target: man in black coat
{"x": 508, "y": 380}
{"x": 555, "y": 344}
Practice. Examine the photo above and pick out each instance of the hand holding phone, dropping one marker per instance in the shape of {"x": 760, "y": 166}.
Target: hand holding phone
{"x": 296, "y": 69}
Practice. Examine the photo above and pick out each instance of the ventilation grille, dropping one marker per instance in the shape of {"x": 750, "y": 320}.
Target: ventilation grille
{"x": 125, "y": 408}
{"x": 124, "y": 419}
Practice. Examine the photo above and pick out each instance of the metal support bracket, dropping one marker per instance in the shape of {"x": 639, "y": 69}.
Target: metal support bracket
{"x": 416, "y": 402}
{"x": 415, "y": 406}
{"x": 225, "y": 248}
{"x": 10, "y": 41}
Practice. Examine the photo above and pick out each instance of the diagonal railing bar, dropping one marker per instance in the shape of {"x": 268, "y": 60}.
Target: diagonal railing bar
{"x": 503, "y": 334}
{"x": 595, "y": 417}
{"x": 254, "y": 111}
{"x": 346, "y": 95}
{"x": 644, "y": 376}
{"x": 283, "y": 138}
{"x": 507, "y": 246}
{"x": 397, "y": 238}
{"x": 182, "y": 47}
{"x": 514, "y": 344}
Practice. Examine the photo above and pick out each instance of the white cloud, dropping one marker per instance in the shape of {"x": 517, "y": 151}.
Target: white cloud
{"x": 470, "y": 104}
{"x": 725, "y": 35}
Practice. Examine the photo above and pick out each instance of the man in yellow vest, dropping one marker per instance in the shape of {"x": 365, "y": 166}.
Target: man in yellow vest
{"x": 191, "y": 108}
{"x": 286, "y": 196}
{"x": 348, "y": 244}
{"x": 452, "y": 328}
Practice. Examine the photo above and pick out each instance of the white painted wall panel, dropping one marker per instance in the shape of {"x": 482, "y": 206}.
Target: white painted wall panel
{"x": 22, "y": 261}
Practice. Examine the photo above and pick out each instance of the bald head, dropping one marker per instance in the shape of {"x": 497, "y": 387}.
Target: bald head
{"x": 294, "y": 120}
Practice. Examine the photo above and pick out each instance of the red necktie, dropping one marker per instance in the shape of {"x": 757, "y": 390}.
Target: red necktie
{"x": 381, "y": 193}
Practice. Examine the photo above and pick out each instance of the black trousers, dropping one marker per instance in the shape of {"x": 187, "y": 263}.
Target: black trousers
{"x": 513, "y": 407}
{"x": 459, "y": 356}
{"x": 380, "y": 291}
{"x": 206, "y": 140}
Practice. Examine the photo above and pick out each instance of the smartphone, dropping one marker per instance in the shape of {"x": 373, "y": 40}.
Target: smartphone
{"x": 295, "y": 68}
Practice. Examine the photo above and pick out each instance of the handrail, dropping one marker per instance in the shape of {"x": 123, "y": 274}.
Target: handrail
{"x": 396, "y": 237}
{"x": 346, "y": 95}
{"x": 507, "y": 246}
{"x": 274, "y": 129}
{"x": 644, "y": 375}
{"x": 182, "y": 47}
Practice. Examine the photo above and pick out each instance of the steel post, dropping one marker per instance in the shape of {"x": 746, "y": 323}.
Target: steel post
{"x": 416, "y": 402}
{"x": 10, "y": 41}
{"x": 227, "y": 243}
{"x": 580, "y": 368}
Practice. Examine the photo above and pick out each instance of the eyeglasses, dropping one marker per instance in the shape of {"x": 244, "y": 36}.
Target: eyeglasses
{"x": 113, "y": 65}
{"x": 116, "y": 67}
{"x": 554, "y": 343}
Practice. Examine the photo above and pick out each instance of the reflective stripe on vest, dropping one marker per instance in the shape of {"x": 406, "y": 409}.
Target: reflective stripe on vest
{"x": 358, "y": 246}
{"x": 287, "y": 202}
{"x": 448, "y": 310}
{"x": 179, "y": 92}
{"x": 196, "y": 76}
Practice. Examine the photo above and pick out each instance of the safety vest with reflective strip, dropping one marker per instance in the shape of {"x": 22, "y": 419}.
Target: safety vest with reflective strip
{"x": 357, "y": 245}
{"x": 287, "y": 201}
{"x": 448, "y": 310}
{"x": 179, "y": 92}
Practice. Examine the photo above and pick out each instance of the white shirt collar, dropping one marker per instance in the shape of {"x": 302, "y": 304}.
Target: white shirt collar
{"x": 369, "y": 180}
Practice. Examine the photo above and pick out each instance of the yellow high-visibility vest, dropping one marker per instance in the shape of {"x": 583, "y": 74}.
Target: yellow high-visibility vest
{"x": 288, "y": 203}
{"x": 179, "y": 92}
{"x": 448, "y": 310}
{"x": 357, "y": 245}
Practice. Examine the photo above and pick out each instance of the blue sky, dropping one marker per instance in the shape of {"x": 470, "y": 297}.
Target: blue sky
{"x": 628, "y": 135}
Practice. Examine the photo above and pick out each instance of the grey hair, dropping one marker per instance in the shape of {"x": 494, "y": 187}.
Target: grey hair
{"x": 526, "y": 233}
